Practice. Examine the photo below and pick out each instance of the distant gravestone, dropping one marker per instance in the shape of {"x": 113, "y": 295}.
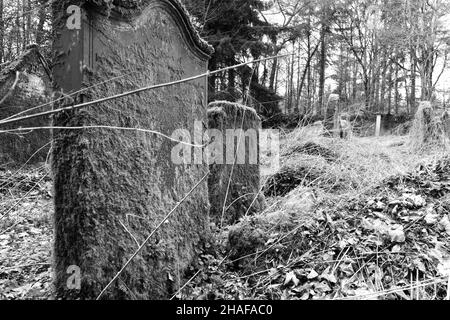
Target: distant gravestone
{"x": 113, "y": 187}
{"x": 318, "y": 128}
{"x": 378, "y": 126}
{"x": 234, "y": 183}
{"x": 332, "y": 109}
{"x": 446, "y": 122}
{"x": 344, "y": 126}
{"x": 25, "y": 84}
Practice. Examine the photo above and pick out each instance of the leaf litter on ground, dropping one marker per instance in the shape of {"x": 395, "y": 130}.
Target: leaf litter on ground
{"x": 392, "y": 242}
{"x": 25, "y": 233}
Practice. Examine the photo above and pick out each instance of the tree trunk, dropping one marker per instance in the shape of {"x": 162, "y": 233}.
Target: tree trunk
{"x": 390, "y": 86}
{"x": 24, "y": 24}
{"x": 212, "y": 79}
{"x": 232, "y": 83}
{"x": 18, "y": 28}
{"x": 2, "y": 35}
{"x": 298, "y": 92}
{"x": 408, "y": 95}
{"x": 288, "y": 87}
{"x": 382, "y": 88}
{"x": 375, "y": 77}
{"x": 367, "y": 92}
{"x": 355, "y": 81}
{"x": 41, "y": 23}
{"x": 264, "y": 77}
{"x": 427, "y": 76}
{"x": 413, "y": 82}
{"x": 273, "y": 74}
{"x": 291, "y": 81}
{"x": 322, "y": 68}
{"x": 275, "y": 89}
{"x": 307, "y": 70}
{"x": 396, "y": 90}
{"x": 309, "y": 100}
{"x": 27, "y": 8}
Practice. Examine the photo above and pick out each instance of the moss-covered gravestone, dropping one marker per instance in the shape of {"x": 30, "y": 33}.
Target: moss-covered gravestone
{"x": 25, "y": 84}
{"x": 234, "y": 183}
{"x": 446, "y": 122}
{"x": 113, "y": 187}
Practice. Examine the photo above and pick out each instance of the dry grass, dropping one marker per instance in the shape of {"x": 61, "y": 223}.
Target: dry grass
{"x": 360, "y": 165}
{"x": 318, "y": 224}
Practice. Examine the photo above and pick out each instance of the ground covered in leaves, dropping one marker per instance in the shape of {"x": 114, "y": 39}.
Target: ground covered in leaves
{"x": 389, "y": 241}
{"x": 25, "y": 233}
{"x": 343, "y": 221}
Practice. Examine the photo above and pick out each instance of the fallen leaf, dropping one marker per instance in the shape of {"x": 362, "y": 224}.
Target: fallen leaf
{"x": 397, "y": 235}
{"x": 445, "y": 224}
{"x": 312, "y": 275}
{"x": 322, "y": 287}
{"x": 329, "y": 277}
{"x": 291, "y": 277}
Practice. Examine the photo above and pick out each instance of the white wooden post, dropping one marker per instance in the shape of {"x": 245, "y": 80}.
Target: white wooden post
{"x": 378, "y": 126}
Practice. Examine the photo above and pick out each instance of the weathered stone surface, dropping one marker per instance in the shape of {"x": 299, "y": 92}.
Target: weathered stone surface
{"x": 106, "y": 180}
{"x": 427, "y": 128}
{"x": 445, "y": 118}
{"x": 24, "y": 84}
{"x": 244, "y": 185}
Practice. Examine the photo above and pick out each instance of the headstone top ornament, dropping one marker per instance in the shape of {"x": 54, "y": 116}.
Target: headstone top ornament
{"x": 31, "y": 56}
{"x": 129, "y": 9}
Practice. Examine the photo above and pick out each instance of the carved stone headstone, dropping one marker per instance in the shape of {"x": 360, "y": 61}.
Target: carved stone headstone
{"x": 25, "y": 84}
{"x": 113, "y": 187}
{"x": 234, "y": 183}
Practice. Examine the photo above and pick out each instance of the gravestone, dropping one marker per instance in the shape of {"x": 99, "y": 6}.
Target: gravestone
{"x": 332, "y": 109}
{"x": 234, "y": 183}
{"x": 25, "y": 84}
{"x": 318, "y": 128}
{"x": 113, "y": 187}
{"x": 344, "y": 127}
{"x": 446, "y": 122}
{"x": 378, "y": 126}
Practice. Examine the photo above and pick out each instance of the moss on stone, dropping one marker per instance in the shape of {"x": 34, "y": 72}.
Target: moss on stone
{"x": 245, "y": 178}
{"x": 106, "y": 178}
{"x": 24, "y": 84}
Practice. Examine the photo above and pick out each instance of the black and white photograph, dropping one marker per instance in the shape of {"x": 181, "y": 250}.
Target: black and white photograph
{"x": 243, "y": 151}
